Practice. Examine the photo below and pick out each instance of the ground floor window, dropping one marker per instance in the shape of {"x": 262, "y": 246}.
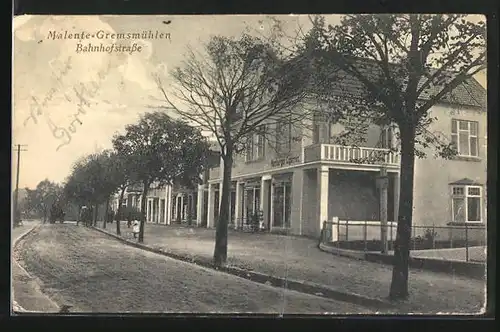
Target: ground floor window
{"x": 251, "y": 197}
{"x": 282, "y": 204}
{"x": 466, "y": 203}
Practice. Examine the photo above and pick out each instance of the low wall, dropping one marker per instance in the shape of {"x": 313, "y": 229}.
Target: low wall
{"x": 469, "y": 269}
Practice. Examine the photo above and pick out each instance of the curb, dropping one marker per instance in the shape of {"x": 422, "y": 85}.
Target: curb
{"x": 295, "y": 285}
{"x": 15, "y": 306}
{"x": 473, "y": 270}
{"x": 342, "y": 252}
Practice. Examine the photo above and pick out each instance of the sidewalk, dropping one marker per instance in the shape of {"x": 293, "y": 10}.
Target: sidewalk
{"x": 298, "y": 258}
{"x": 26, "y": 293}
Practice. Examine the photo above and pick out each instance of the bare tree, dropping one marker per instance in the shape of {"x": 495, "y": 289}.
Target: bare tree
{"x": 393, "y": 69}
{"x": 232, "y": 89}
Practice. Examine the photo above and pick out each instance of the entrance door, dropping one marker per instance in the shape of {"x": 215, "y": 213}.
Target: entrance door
{"x": 179, "y": 210}
{"x": 282, "y": 205}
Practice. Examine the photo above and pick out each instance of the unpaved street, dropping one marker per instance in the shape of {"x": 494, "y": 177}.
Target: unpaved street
{"x": 94, "y": 273}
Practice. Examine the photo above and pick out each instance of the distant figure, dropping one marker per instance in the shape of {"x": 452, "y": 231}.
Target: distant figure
{"x": 129, "y": 219}
{"x": 135, "y": 229}
{"x": 111, "y": 215}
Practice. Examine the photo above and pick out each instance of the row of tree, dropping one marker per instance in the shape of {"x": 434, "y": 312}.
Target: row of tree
{"x": 157, "y": 149}
{"x": 36, "y": 203}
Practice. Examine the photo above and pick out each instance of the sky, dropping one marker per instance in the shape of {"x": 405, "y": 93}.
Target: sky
{"x": 59, "y": 120}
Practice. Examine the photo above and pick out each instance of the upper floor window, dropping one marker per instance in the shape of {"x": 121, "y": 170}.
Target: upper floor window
{"x": 255, "y": 146}
{"x": 464, "y": 137}
{"x": 283, "y": 137}
{"x": 466, "y": 203}
{"x": 261, "y": 142}
{"x": 316, "y": 127}
{"x": 387, "y": 138}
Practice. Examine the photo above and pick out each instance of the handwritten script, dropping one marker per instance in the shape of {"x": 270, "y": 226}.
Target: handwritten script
{"x": 78, "y": 95}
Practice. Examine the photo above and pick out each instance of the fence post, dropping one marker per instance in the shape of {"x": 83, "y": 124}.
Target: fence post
{"x": 451, "y": 236}
{"x": 466, "y": 243}
{"x": 322, "y": 233}
{"x": 392, "y": 240}
{"x": 433, "y": 236}
{"x": 365, "y": 235}
{"x": 338, "y": 236}
{"x": 413, "y": 227}
{"x": 347, "y": 233}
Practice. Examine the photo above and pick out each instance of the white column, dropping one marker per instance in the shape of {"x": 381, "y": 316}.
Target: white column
{"x": 148, "y": 209}
{"x": 168, "y": 204}
{"x": 271, "y": 205}
{"x": 264, "y": 198}
{"x": 200, "y": 203}
{"x": 237, "y": 205}
{"x": 210, "y": 209}
{"x": 322, "y": 197}
{"x": 165, "y": 209}
{"x": 297, "y": 195}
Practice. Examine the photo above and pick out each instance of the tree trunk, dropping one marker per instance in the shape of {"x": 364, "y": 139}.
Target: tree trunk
{"x": 106, "y": 214}
{"x": 143, "y": 211}
{"x": 78, "y": 216}
{"x": 220, "y": 251}
{"x": 119, "y": 211}
{"x": 399, "y": 284}
{"x": 96, "y": 212}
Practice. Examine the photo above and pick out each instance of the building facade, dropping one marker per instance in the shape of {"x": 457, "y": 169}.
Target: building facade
{"x": 304, "y": 179}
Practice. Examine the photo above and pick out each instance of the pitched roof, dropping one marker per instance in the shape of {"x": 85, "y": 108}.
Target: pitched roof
{"x": 469, "y": 93}
{"x": 465, "y": 182}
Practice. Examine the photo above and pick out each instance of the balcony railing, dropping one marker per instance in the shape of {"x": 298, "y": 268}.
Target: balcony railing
{"x": 350, "y": 154}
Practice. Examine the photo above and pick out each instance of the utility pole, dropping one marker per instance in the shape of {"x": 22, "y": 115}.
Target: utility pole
{"x": 16, "y": 196}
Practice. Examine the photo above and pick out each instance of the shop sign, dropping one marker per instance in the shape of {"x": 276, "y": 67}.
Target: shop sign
{"x": 285, "y": 161}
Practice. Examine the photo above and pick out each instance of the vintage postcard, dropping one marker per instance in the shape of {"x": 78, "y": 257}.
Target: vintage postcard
{"x": 288, "y": 164}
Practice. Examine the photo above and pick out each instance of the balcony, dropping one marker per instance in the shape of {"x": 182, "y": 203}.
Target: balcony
{"x": 351, "y": 155}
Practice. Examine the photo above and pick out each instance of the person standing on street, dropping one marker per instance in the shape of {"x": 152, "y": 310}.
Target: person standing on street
{"x": 135, "y": 229}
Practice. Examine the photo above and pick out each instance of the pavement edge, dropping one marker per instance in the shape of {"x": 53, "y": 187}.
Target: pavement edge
{"x": 467, "y": 269}
{"x": 296, "y": 285}
{"x": 15, "y": 305}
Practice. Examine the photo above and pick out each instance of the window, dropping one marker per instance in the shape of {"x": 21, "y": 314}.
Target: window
{"x": 466, "y": 203}
{"x": 256, "y": 145}
{"x": 316, "y": 125}
{"x": 464, "y": 137}
{"x": 387, "y": 138}
{"x": 283, "y": 137}
{"x": 315, "y": 133}
{"x": 249, "y": 148}
{"x": 261, "y": 142}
